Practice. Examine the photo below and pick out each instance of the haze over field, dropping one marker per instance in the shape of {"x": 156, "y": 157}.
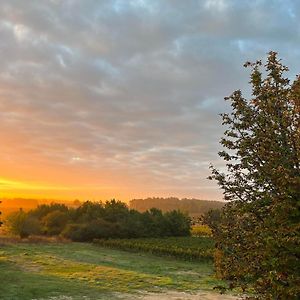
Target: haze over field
{"x": 120, "y": 99}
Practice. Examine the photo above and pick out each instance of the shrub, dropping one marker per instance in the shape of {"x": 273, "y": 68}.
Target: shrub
{"x": 54, "y": 222}
{"x": 201, "y": 230}
{"x": 22, "y": 224}
{"x": 95, "y": 229}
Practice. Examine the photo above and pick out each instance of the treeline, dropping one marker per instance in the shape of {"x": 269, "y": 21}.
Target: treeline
{"x": 98, "y": 220}
{"x": 194, "y": 207}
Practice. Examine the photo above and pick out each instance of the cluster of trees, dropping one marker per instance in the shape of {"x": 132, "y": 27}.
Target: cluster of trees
{"x": 194, "y": 207}
{"x": 96, "y": 220}
{"x": 257, "y": 233}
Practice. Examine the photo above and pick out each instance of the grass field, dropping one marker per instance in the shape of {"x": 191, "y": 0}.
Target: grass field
{"x": 85, "y": 271}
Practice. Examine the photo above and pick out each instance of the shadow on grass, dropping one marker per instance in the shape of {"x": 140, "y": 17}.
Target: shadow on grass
{"x": 17, "y": 284}
{"x": 84, "y": 271}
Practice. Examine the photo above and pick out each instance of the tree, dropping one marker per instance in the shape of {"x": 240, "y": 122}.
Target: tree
{"x": 20, "y": 223}
{"x": 258, "y": 237}
{"x": 179, "y": 223}
{"x": 115, "y": 210}
{"x": 42, "y": 210}
{"x": 55, "y": 221}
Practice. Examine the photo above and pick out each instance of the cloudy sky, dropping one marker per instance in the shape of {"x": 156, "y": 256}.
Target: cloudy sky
{"x": 102, "y": 99}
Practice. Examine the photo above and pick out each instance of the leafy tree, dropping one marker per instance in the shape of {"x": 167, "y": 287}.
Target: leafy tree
{"x": 95, "y": 229}
{"x": 115, "y": 210}
{"x": 42, "y": 210}
{"x": 212, "y": 218}
{"x": 20, "y": 223}
{"x": 258, "y": 237}
{"x": 179, "y": 223}
{"x": 155, "y": 223}
{"x": 54, "y": 222}
{"x": 88, "y": 211}
{"x": 133, "y": 225}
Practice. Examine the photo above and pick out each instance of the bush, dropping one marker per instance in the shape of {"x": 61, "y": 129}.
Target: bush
{"x": 96, "y": 229}
{"x": 22, "y": 224}
{"x": 201, "y": 230}
{"x": 42, "y": 210}
{"x": 54, "y": 222}
{"x": 179, "y": 224}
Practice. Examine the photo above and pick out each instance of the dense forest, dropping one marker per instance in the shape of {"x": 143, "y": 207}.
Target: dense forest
{"x": 194, "y": 207}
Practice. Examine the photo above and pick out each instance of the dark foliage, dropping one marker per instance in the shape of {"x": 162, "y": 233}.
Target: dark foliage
{"x": 96, "y": 220}
{"x": 43, "y": 210}
{"x": 22, "y": 224}
{"x": 187, "y": 248}
{"x": 258, "y": 233}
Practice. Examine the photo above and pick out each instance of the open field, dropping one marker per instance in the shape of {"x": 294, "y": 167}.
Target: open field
{"x": 85, "y": 271}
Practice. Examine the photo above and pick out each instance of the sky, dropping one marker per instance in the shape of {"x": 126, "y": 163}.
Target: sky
{"x": 120, "y": 99}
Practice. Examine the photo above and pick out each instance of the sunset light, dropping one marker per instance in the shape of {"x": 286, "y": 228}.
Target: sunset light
{"x": 149, "y": 149}
{"x": 122, "y": 101}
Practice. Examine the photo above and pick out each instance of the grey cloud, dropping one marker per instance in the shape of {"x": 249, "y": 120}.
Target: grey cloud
{"x": 133, "y": 85}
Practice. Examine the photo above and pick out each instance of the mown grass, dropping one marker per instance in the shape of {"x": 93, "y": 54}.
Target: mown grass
{"x": 85, "y": 271}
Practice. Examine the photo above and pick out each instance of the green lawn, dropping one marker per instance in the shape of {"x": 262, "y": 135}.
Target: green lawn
{"x": 85, "y": 271}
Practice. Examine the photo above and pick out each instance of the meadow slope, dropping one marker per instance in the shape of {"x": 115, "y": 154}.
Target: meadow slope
{"x": 84, "y": 271}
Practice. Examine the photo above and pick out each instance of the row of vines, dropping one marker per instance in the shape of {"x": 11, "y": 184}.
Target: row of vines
{"x": 186, "y": 248}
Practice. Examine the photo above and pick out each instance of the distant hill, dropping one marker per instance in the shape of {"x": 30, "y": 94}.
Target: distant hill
{"x": 194, "y": 207}
{"x": 10, "y": 205}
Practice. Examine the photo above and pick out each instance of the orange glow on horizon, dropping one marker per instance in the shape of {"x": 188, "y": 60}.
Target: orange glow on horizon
{"x": 7, "y": 184}
{"x": 37, "y": 190}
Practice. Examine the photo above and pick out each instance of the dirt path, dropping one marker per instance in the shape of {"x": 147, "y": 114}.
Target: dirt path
{"x": 187, "y": 296}
{"x": 155, "y": 296}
